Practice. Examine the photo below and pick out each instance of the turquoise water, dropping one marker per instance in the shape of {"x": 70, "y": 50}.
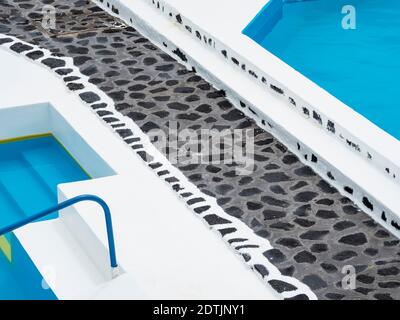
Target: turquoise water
{"x": 360, "y": 67}
{"x": 30, "y": 171}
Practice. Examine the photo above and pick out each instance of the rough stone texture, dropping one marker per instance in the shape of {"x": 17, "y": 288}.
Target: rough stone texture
{"x": 315, "y": 231}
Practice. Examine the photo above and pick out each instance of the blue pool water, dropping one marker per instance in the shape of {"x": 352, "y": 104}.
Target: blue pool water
{"x": 30, "y": 171}
{"x": 360, "y": 67}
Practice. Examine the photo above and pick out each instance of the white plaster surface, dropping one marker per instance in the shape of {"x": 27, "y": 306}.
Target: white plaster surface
{"x": 163, "y": 249}
{"x": 162, "y": 246}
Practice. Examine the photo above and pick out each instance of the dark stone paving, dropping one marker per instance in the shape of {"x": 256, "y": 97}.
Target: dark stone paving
{"x": 315, "y": 231}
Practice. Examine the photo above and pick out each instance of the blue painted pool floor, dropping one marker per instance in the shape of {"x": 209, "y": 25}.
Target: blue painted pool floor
{"x": 360, "y": 67}
{"x": 30, "y": 171}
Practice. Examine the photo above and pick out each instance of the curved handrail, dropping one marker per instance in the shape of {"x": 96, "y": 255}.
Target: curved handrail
{"x": 66, "y": 204}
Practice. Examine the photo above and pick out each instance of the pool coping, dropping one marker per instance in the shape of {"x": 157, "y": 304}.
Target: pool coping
{"x": 307, "y": 119}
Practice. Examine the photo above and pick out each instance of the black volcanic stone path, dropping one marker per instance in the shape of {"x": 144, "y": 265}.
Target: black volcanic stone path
{"x": 314, "y": 230}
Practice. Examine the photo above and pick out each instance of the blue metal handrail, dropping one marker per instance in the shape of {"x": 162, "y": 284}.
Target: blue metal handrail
{"x": 64, "y": 205}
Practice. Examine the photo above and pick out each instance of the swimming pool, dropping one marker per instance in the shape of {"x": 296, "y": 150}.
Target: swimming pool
{"x": 358, "y": 66}
{"x": 30, "y": 170}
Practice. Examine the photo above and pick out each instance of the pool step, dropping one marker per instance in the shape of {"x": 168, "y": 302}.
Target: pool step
{"x": 44, "y": 170}
{"x": 30, "y": 171}
{"x": 11, "y": 211}
{"x": 49, "y": 173}
{"x": 36, "y": 194}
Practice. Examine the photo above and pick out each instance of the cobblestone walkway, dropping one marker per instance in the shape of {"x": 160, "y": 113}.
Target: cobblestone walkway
{"x": 315, "y": 231}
